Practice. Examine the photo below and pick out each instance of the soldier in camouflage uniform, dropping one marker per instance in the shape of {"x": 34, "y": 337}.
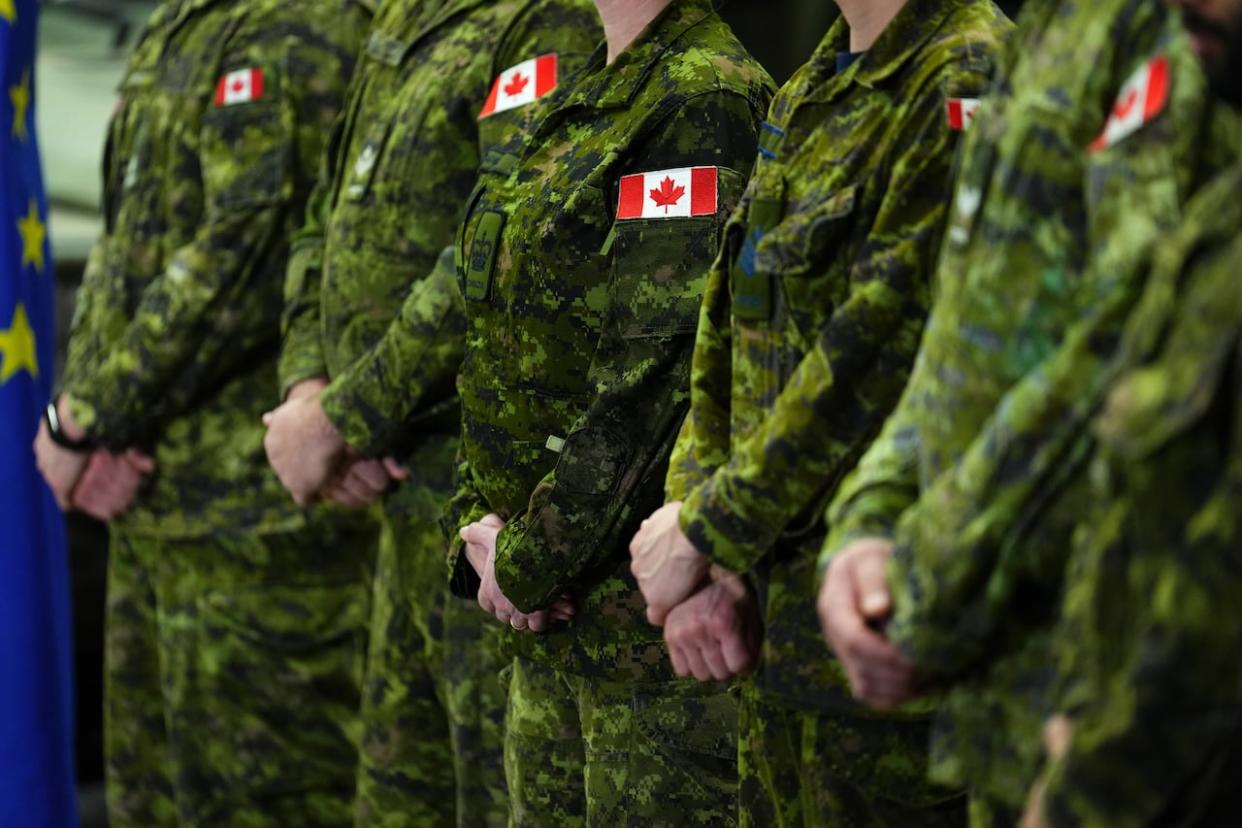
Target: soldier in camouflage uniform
{"x": 812, "y": 317}
{"x": 236, "y": 623}
{"x": 1155, "y": 733}
{"x": 582, "y": 258}
{"x": 439, "y": 84}
{"x": 1151, "y": 634}
{"x": 1060, "y": 199}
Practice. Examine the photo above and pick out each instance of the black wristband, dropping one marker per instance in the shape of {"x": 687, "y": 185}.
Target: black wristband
{"x": 58, "y": 435}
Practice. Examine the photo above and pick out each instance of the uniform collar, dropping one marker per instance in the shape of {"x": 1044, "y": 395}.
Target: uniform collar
{"x": 900, "y": 41}
{"x": 618, "y": 83}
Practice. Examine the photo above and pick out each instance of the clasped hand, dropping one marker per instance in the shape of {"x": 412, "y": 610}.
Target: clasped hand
{"x": 314, "y": 462}
{"x": 480, "y": 550}
{"x": 101, "y": 483}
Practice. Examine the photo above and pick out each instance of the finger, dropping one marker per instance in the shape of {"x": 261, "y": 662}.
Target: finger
{"x": 267, "y": 418}
{"x": 738, "y": 656}
{"x": 871, "y": 587}
{"x": 140, "y": 462}
{"x": 360, "y": 491}
{"x": 678, "y": 658}
{"x": 565, "y": 606}
{"x": 518, "y": 621}
{"x": 656, "y": 614}
{"x": 537, "y": 621}
{"x": 714, "y": 659}
{"x": 372, "y": 475}
{"x": 395, "y": 470}
{"x": 698, "y": 667}
{"x": 493, "y": 521}
{"x": 338, "y": 493}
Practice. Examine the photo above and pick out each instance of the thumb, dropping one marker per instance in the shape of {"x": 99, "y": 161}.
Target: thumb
{"x": 871, "y": 583}
{"x": 395, "y": 470}
{"x": 493, "y": 520}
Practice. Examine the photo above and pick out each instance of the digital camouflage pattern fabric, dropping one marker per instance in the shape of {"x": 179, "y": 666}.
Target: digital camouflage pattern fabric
{"x": 224, "y": 111}
{"x": 226, "y": 603}
{"x": 575, "y": 378}
{"x": 812, "y": 317}
{"x": 403, "y": 160}
{"x": 573, "y": 386}
{"x": 1047, "y": 244}
{"x": 232, "y": 668}
{"x": 1152, "y": 629}
{"x": 583, "y": 751}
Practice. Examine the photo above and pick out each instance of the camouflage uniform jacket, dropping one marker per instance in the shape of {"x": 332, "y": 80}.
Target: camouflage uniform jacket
{"x": 404, "y": 158}
{"x": 815, "y": 308}
{"x": 582, "y": 300}
{"x": 984, "y": 439}
{"x": 1157, "y": 725}
{"x": 210, "y": 158}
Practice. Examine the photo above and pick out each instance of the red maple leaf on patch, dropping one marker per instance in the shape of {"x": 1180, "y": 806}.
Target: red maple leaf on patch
{"x": 667, "y": 195}
{"x": 516, "y": 84}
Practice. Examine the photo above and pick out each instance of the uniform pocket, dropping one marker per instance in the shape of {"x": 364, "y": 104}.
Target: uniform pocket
{"x": 660, "y": 274}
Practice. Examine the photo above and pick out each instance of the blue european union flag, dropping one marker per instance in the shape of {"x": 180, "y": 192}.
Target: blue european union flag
{"x": 36, "y": 684}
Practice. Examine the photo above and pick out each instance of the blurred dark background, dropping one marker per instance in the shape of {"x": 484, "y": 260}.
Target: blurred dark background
{"x": 83, "y": 44}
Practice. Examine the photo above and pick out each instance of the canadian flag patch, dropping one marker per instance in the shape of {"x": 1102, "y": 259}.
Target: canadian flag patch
{"x": 1142, "y": 98}
{"x": 242, "y": 86}
{"x": 681, "y": 193}
{"x": 961, "y": 112}
{"x": 521, "y": 84}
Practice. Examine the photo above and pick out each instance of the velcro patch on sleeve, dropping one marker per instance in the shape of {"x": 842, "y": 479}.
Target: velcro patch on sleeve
{"x": 521, "y": 84}
{"x": 680, "y": 193}
{"x": 1143, "y": 96}
{"x": 240, "y": 86}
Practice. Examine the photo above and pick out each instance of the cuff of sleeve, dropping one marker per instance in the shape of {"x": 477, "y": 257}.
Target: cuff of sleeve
{"x": 358, "y": 416}
{"x": 848, "y": 529}
{"x": 518, "y": 570}
{"x": 720, "y": 527}
{"x": 300, "y": 359}
{"x": 86, "y": 415}
{"x": 464, "y": 582}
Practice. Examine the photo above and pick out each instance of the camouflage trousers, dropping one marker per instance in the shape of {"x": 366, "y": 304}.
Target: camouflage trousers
{"x": 434, "y": 701}
{"x": 580, "y": 752}
{"x": 232, "y": 678}
{"x": 836, "y": 770}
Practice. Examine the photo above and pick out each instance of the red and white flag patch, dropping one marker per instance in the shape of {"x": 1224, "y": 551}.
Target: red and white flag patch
{"x": 1142, "y": 98}
{"x": 521, "y": 84}
{"x": 681, "y": 193}
{"x": 961, "y": 112}
{"x": 242, "y": 86}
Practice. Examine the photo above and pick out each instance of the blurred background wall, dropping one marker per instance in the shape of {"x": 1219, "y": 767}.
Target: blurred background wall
{"x": 83, "y": 44}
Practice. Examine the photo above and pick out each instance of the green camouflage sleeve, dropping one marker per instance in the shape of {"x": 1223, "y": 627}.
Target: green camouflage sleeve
{"x": 214, "y": 308}
{"x": 641, "y": 366}
{"x": 960, "y": 550}
{"x": 703, "y": 444}
{"x": 301, "y": 351}
{"x": 870, "y": 501}
{"x": 409, "y": 373}
{"x": 1156, "y": 606}
{"x": 811, "y": 437}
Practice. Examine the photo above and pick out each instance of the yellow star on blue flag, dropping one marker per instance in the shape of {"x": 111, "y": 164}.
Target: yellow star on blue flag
{"x": 17, "y": 347}
{"x": 34, "y": 235}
